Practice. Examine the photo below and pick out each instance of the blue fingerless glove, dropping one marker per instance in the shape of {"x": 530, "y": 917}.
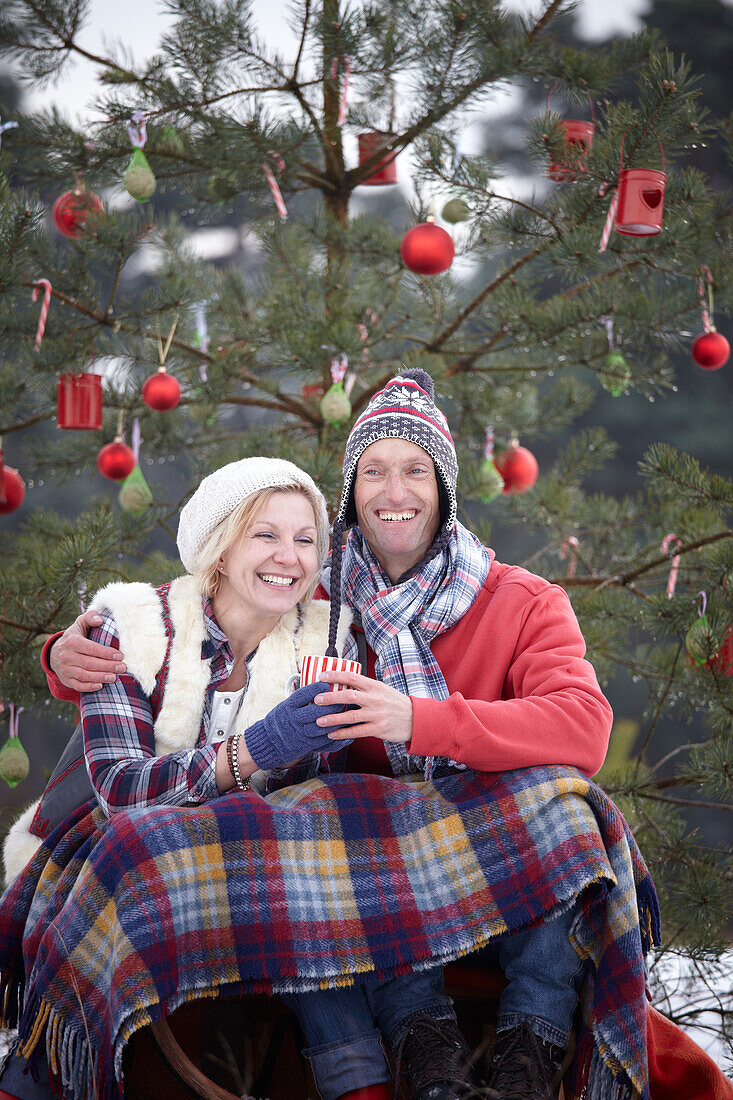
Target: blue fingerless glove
{"x": 289, "y": 731}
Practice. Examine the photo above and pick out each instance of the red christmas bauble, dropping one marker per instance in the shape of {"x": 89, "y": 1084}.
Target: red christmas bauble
{"x": 116, "y": 461}
{"x": 161, "y": 392}
{"x": 710, "y": 350}
{"x": 518, "y": 467}
{"x": 70, "y": 211}
{"x": 427, "y": 249}
{"x": 13, "y": 493}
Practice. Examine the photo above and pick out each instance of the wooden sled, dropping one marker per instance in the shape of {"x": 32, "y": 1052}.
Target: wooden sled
{"x": 222, "y": 1049}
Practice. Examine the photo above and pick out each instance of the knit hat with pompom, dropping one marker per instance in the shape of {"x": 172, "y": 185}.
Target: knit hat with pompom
{"x": 404, "y": 409}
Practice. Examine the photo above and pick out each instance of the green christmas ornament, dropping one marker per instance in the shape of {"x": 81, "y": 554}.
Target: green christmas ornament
{"x": 170, "y": 141}
{"x": 490, "y": 483}
{"x": 455, "y": 210}
{"x": 700, "y": 642}
{"x": 139, "y": 180}
{"x": 134, "y": 495}
{"x": 616, "y": 374}
{"x": 335, "y": 405}
{"x": 14, "y": 762}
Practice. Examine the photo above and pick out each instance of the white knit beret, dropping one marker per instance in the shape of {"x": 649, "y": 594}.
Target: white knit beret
{"x": 221, "y": 492}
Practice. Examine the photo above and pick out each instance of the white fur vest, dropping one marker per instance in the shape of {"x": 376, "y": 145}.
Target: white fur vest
{"x": 144, "y": 639}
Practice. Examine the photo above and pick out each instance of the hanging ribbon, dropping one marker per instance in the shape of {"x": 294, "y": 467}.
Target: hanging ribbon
{"x": 276, "y": 193}
{"x": 489, "y": 443}
{"x": 339, "y": 363}
{"x": 344, "y": 94}
{"x": 136, "y": 439}
{"x": 607, "y": 323}
{"x": 137, "y": 129}
{"x": 668, "y": 542}
{"x": 569, "y": 549}
{"x": 14, "y": 719}
{"x": 44, "y": 308}
{"x": 706, "y": 308}
{"x": 82, "y": 594}
{"x": 703, "y": 606}
{"x": 610, "y": 217}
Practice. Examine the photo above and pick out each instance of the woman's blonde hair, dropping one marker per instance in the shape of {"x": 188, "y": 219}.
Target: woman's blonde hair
{"x": 235, "y": 527}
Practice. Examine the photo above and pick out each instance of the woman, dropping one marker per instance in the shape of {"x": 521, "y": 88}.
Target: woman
{"x": 202, "y": 707}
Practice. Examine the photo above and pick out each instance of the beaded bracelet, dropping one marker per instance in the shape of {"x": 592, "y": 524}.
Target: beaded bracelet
{"x": 233, "y": 762}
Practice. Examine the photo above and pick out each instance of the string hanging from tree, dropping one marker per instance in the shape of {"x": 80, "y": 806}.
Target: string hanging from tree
{"x": 135, "y": 496}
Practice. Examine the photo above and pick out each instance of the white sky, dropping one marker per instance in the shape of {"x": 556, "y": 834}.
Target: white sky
{"x": 138, "y": 24}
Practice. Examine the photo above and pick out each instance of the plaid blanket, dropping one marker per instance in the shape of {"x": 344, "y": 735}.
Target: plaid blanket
{"x": 117, "y": 922}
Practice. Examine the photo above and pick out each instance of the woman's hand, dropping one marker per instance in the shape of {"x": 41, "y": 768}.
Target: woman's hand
{"x": 81, "y": 664}
{"x": 382, "y": 711}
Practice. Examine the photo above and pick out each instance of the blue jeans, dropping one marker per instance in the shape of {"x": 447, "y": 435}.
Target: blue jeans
{"x": 543, "y": 972}
{"x": 343, "y": 1027}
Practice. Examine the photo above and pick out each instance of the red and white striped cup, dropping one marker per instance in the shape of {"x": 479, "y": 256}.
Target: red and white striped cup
{"x": 313, "y": 667}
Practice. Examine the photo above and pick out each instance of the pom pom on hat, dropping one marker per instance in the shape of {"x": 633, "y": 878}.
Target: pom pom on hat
{"x": 423, "y": 379}
{"x": 221, "y": 492}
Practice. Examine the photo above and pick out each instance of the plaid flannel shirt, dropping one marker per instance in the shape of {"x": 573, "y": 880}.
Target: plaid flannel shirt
{"x": 119, "y": 743}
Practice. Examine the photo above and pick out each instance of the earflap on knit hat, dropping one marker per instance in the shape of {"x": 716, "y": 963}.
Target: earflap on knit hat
{"x": 221, "y": 492}
{"x": 404, "y": 409}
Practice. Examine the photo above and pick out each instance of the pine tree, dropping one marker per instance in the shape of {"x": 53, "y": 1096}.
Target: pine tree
{"x": 519, "y": 339}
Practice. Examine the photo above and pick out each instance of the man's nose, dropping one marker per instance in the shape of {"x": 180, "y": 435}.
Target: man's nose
{"x": 395, "y": 487}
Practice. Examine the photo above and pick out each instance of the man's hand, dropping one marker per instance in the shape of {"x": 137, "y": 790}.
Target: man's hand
{"x": 380, "y": 710}
{"x": 83, "y": 665}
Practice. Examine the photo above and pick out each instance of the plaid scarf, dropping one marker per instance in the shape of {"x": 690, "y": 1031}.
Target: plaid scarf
{"x": 401, "y": 620}
{"x": 116, "y": 922}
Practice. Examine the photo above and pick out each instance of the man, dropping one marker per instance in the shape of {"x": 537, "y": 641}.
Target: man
{"x": 470, "y": 664}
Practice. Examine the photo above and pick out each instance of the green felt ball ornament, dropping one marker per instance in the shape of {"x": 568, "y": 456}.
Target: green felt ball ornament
{"x": 455, "y": 210}
{"x": 134, "y": 495}
{"x": 491, "y": 483}
{"x": 335, "y": 405}
{"x": 616, "y": 374}
{"x": 14, "y": 762}
{"x": 139, "y": 179}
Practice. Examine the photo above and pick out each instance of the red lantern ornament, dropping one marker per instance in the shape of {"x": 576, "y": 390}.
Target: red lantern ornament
{"x": 518, "y": 467}
{"x": 12, "y": 489}
{"x": 640, "y": 204}
{"x": 71, "y": 210}
{"x": 427, "y": 249}
{"x": 385, "y": 171}
{"x": 116, "y": 460}
{"x": 161, "y": 391}
{"x": 577, "y": 139}
{"x": 711, "y": 350}
{"x": 79, "y": 402}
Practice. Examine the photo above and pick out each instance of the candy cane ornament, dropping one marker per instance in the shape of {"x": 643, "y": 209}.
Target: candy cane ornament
{"x": 47, "y": 292}
{"x": 276, "y": 193}
{"x": 668, "y": 542}
{"x": 610, "y": 219}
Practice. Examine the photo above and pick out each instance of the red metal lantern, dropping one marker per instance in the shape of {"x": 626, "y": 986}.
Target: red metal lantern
{"x": 518, "y": 467}
{"x": 577, "y": 141}
{"x": 385, "y": 170}
{"x": 427, "y": 249}
{"x": 79, "y": 402}
{"x": 640, "y": 199}
{"x": 116, "y": 460}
